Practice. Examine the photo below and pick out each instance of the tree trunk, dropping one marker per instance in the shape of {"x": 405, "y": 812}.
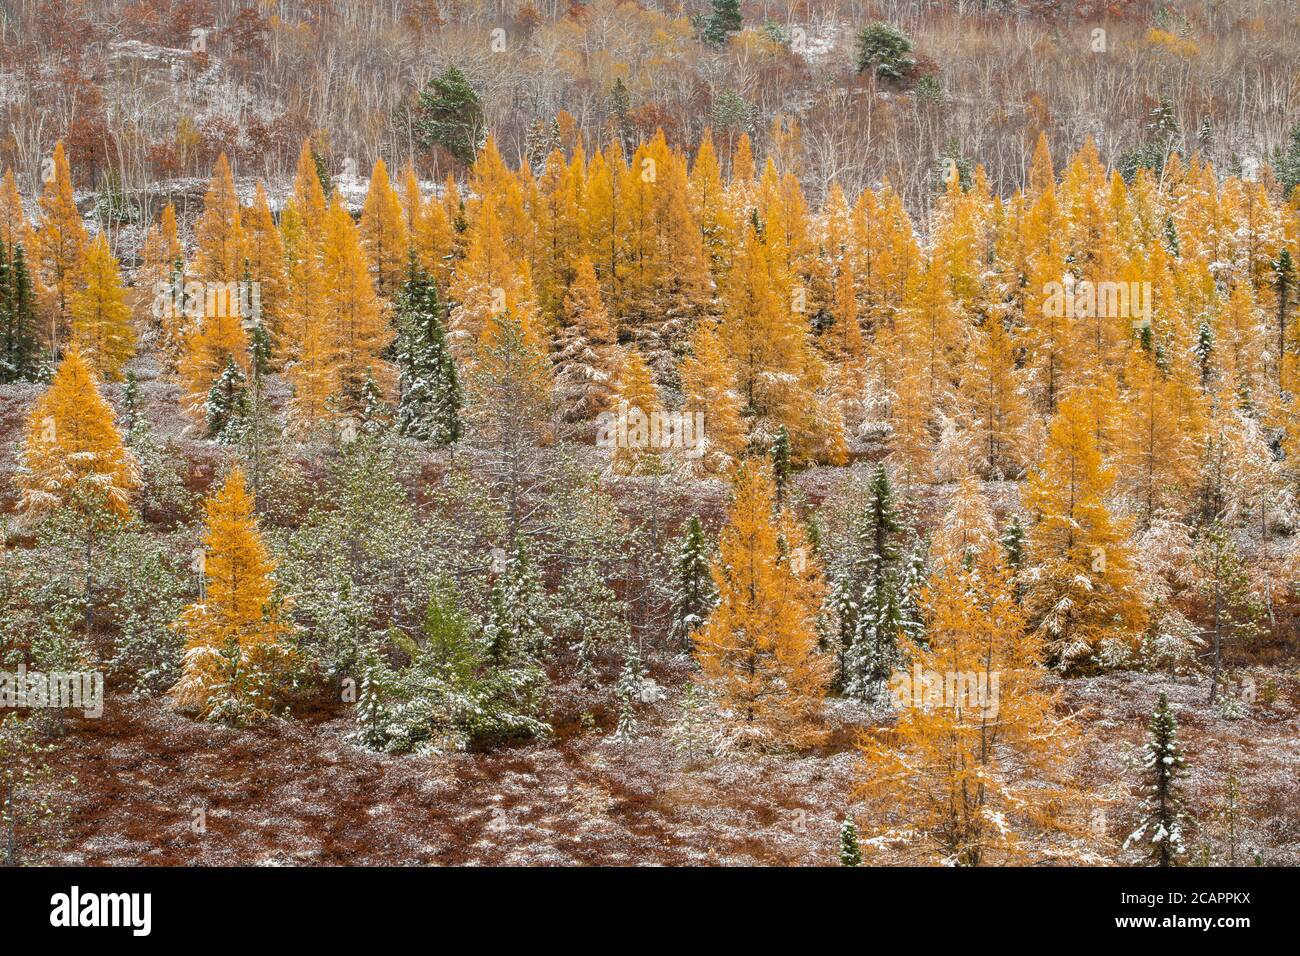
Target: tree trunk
{"x": 90, "y": 594}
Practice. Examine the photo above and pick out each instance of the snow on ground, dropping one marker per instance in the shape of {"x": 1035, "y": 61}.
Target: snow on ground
{"x": 297, "y": 792}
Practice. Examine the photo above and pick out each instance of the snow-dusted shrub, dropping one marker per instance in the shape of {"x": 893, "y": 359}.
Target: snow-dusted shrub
{"x": 360, "y": 562}
{"x": 1232, "y": 707}
{"x": 455, "y": 689}
{"x": 138, "y": 583}
{"x": 1114, "y": 653}
{"x": 1171, "y": 644}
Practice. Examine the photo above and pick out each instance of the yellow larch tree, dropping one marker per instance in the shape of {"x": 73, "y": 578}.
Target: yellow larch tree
{"x": 307, "y": 349}
{"x": 742, "y": 186}
{"x": 710, "y": 206}
{"x": 384, "y": 234}
{"x": 72, "y": 455}
{"x": 778, "y": 373}
{"x": 1083, "y": 202}
{"x": 237, "y": 632}
{"x": 215, "y": 333}
{"x": 639, "y": 413}
{"x": 585, "y": 350}
{"x": 838, "y": 296}
{"x": 758, "y": 650}
{"x": 355, "y": 311}
{"x": 957, "y": 244}
{"x": 1238, "y": 345}
{"x": 13, "y": 223}
{"x": 431, "y": 232}
{"x": 934, "y": 327}
{"x": 977, "y": 768}
{"x": 1047, "y": 325}
{"x": 668, "y": 282}
{"x": 309, "y": 194}
{"x": 887, "y": 251}
{"x": 264, "y": 264}
{"x": 101, "y": 317}
{"x": 603, "y": 224}
{"x": 966, "y": 531}
{"x": 483, "y": 281}
{"x": 1083, "y": 589}
{"x": 640, "y": 209}
{"x": 219, "y": 234}
{"x": 1160, "y": 442}
{"x": 211, "y": 342}
{"x": 911, "y": 410}
{"x": 559, "y": 235}
{"x": 154, "y": 292}
{"x": 62, "y": 242}
{"x": 412, "y": 198}
{"x": 73, "y": 460}
{"x": 709, "y": 393}
{"x": 490, "y": 177}
{"x": 995, "y": 402}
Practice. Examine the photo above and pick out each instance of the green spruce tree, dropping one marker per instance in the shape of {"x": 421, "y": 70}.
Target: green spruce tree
{"x": 227, "y": 406}
{"x": 781, "y": 467}
{"x": 724, "y": 20}
{"x": 19, "y": 348}
{"x": 429, "y": 407}
{"x": 879, "y": 574}
{"x": 693, "y": 591}
{"x": 850, "y": 852}
{"x": 516, "y": 609}
{"x": 450, "y": 116}
{"x": 628, "y": 692}
{"x": 1164, "y": 818}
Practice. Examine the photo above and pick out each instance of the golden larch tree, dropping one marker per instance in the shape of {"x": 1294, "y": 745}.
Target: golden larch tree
{"x": 236, "y": 633}
{"x": 1083, "y": 589}
{"x": 72, "y": 453}
{"x": 62, "y": 244}
{"x": 709, "y": 393}
{"x": 994, "y": 400}
{"x": 265, "y": 264}
{"x": 219, "y": 234}
{"x": 308, "y": 348}
{"x": 309, "y": 194}
{"x": 1159, "y": 444}
{"x": 101, "y": 317}
{"x": 384, "y": 233}
{"x": 758, "y": 650}
{"x": 483, "y": 281}
{"x": 431, "y": 233}
{"x": 153, "y": 294}
{"x": 637, "y": 444}
{"x": 211, "y": 341}
{"x": 585, "y": 351}
{"x": 977, "y": 768}
{"x": 354, "y": 310}
{"x": 13, "y": 223}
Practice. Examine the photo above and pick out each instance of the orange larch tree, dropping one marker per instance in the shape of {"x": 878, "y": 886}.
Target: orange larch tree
{"x": 101, "y": 317}
{"x": 219, "y": 234}
{"x": 73, "y": 454}
{"x": 976, "y": 769}
{"x": 384, "y": 234}
{"x": 354, "y": 310}
{"x": 236, "y": 633}
{"x": 62, "y": 244}
{"x": 758, "y": 650}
